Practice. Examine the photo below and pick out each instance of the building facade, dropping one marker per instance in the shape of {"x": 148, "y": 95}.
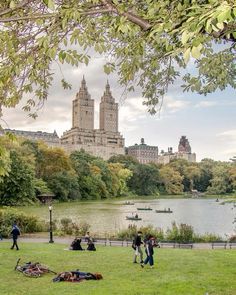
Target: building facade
{"x": 184, "y": 152}
{"x": 103, "y": 142}
{"x": 51, "y": 139}
{"x": 143, "y": 153}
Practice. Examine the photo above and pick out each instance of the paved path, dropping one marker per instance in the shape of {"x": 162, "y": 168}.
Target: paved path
{"x": 67, "y": 241}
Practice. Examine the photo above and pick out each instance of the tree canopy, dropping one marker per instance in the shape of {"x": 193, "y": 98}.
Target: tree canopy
{"x": 147, "y": 43}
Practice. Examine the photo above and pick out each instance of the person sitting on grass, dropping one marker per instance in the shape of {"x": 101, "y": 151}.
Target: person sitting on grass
{"x": 91, "y": 246}
{"x": 76, "y": 245}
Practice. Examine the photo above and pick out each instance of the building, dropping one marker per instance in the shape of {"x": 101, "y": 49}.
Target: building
{"x": 103, "y": 142}
{"x": 184, "y": 152}
{"x": 143, "y": 153}
{"x": 51, "y": 139}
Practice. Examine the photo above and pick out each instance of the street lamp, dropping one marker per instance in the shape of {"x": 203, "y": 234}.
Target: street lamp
{"x": 50, "y": 224}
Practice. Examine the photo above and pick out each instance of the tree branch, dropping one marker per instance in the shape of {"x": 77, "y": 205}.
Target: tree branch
{"x": 21, "y": 5}
{"x": 142, "y": 23}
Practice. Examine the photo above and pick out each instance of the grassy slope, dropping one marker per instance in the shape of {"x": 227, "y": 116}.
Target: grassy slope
{"x": 177, "y": 271}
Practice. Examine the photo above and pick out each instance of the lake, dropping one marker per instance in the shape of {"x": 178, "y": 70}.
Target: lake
{"x": 205, "y": 215}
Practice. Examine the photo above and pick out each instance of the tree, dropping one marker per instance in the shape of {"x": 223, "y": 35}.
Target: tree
{"x": 145, "y": 179}
{"x": 150, "y": 41}
{"x": 220, "y": 182}
{"x": 18, "y": 186}
{"x": 172, "y": 180}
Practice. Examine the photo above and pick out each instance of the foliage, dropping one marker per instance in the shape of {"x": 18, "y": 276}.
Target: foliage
{"x": 18, "y": 186}
{"x": 131, "y": 231}
{"x": 182, "y": 233}
{"x": 171, "y": 179}
{"x": 27, "y": 223}
{"x": 149, "y": 42}
{"x": 69, "y": 227}
{"x": 64, "y": 185}
{"x": 145, "y": 179}
{"x": 220, "y": 182}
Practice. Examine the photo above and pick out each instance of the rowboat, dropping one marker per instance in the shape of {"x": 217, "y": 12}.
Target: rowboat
{"x": 164, "y": 211}
{"x": 133, "y": 218}
{"x": 145, "y": 208}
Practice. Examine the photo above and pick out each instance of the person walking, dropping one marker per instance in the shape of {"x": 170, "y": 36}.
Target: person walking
{"x": 149, "y": 244}
{"x": 137, "y": 246}
{"x": 15, "y": 233}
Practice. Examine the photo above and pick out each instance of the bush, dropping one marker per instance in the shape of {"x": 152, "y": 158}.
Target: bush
{"x": 68, "y": 227}
{"x": 206, "y": 238}
{"x": 182, "y": 234}
{"x": 26, "y": 223}
{"x": 132, "y": 230}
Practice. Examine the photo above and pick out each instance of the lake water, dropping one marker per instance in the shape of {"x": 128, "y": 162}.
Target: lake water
{"x": 110, "y": 216}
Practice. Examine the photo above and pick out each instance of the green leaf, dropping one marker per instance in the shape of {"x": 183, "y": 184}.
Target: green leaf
{"x": 224, "y": 15}
{"x": 196, "y": 51}
{"x": 185, "y": 37}
{"x": 187, "y": 55}
{"x": 12, "y": 4}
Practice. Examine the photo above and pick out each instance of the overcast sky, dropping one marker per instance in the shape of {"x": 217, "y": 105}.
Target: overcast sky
{"x": 208, "y": 122}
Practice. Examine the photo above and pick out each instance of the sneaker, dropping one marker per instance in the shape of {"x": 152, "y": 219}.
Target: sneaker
{"x": 135, "y": 262}
{"x": 152, "y": 266}
{"x": 142, "y": 265}
{"x": 141, "y": 261}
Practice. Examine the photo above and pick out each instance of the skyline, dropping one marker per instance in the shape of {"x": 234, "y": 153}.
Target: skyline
{"x": 207, "y": 121}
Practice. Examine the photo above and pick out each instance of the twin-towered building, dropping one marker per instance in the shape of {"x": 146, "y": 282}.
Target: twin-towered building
{"x": 103, "y": 142}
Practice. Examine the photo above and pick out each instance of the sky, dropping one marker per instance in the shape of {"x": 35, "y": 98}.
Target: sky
{"x": 209, "y": 122}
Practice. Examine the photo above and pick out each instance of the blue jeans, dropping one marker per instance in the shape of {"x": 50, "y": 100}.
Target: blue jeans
{"x": 149, "y": 259}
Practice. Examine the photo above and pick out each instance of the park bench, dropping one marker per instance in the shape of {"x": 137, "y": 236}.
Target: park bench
{"x": 218, "y": 244}
{"x": 120, "y": 243}
{"x": 232, "y": 245}
{"x": 184, "y": 245}
{"x": 167, "y": 244}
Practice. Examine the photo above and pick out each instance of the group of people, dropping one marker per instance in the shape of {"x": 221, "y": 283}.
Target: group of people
{"x": 76, "y": 244}
{"x": 149, "y": 243}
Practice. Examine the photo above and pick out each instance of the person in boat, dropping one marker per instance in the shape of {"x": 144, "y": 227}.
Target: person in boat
{"x": 136, "y": 215}
{"x": 76, "y": 245}
{"x": 137, "y": 246}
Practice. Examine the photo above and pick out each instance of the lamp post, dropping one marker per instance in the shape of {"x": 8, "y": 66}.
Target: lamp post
{"x": 50, "y": 224}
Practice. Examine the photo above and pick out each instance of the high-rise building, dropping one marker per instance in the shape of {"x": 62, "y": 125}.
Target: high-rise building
{"x": 143, "y": 153}
{"x": 184, "y": 152}
{"x": 103, "y": 142}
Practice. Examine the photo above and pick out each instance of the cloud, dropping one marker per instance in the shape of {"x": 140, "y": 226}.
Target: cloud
{"x": 229, "y": 134}
{"x": 206, "y": 104}
{"x": 173, "y": 105}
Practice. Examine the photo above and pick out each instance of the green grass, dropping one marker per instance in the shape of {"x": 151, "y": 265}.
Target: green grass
{"x": 177, "y": 271}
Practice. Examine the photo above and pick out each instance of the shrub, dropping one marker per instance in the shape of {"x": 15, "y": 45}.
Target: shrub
{"x": 132, "y": 230}
{"x": 183, "y": 233}
{"x": 206, "y": 238}
{"x": 26, "y": 223}
{"x": 68, "y": 227}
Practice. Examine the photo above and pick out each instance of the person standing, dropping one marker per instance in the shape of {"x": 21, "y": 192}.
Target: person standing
{"x": 15, "y": 233}
{"x": 149, "y": 244}
{"x": 137, "y": 245}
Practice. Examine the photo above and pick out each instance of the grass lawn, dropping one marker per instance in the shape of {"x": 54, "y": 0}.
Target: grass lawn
{"x": 177, "y": 271}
